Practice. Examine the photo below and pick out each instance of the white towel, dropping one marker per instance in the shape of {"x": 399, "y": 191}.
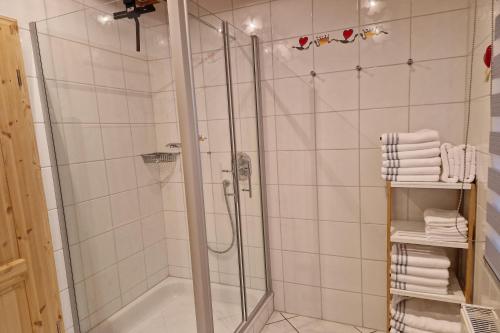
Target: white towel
{"x": 409, "y": 138}
{"x": 412, "y": 255}
{"x": 412, "y": 163}
{"x": 458, "y": 164}
{"x": 410, "y": 147}
{"x": 413, "y": 154}
{"x": 437, "y": 216}
{"x": 411, "y": 171}
{"x": 418, "y": 280}
{"x": 466, "y": 172}
{"x": 401, "y": 328}
{"x": 434, "y": 273}
{"x": 444, "y": 231}
{"x": 426, "y": 315}
{"x": 419, "y": 288}
{"x": 411, "y": 178}
{"x": 447, "y": 174}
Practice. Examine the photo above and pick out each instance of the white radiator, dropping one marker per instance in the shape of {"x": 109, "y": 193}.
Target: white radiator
{"x": 479, "y": 319}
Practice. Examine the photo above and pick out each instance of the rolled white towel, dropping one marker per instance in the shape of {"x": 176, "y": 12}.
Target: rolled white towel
{"x": 411, "y": 171}
{"x": 411, "y": 178}
{"x": 412, "y": 163}
{"x": 410, "y": 147}
{"x": 434, "y": 273}
{"x": 413, "y": 154}
{"x": 465, "y": 172}
{"x": 425, "y": 135}
{"x": 418, "y": 280}
{"x": 446, "y": 175}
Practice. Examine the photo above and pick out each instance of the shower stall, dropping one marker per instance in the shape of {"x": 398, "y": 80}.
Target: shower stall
{"x": 159, "y": 154}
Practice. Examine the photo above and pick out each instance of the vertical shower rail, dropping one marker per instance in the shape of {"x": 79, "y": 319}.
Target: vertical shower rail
{"x": 186, "y": 106}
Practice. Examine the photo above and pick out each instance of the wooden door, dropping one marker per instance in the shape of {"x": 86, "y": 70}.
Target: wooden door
{"x": 29, "y": 297}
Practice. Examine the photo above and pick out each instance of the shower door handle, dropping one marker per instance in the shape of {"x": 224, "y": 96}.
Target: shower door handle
{"x": 249, "y": 189}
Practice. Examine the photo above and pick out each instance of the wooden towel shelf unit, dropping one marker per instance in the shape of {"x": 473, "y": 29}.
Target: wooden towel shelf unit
{"x": 413, "y": 232}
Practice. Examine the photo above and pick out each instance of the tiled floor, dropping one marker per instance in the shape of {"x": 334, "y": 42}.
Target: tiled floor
{"x": 281, "y": 322}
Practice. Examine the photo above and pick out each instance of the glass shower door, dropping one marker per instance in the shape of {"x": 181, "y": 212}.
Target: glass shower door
{"x": 226, "y": 98}
{"x": 216, "y": 133}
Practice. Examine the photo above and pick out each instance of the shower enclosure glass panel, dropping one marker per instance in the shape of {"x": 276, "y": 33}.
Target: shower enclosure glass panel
{"x": 221, "y": 200}
{"x": 115, "y": 132}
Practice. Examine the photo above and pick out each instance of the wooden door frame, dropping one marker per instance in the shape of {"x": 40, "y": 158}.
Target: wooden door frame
{"x": 26, "y": 205}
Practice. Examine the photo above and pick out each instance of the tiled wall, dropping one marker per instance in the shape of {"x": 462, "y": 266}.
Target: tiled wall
{"x": 326, "y": 199}
{"x": 486, "y": 287}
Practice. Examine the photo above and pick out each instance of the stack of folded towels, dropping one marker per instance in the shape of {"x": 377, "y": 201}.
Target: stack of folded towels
{"x": 420, "y": 269}
{"x": 445, "y": 225}
{"x": 459, "y": 164}
{"x": 421, "y": 316}
{"x": 411, "y": 156}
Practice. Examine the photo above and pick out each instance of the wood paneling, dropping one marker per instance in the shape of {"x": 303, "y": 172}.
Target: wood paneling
{"x": 29, "y": 301}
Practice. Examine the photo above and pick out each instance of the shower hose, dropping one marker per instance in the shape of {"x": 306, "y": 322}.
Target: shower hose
{"x": 225, "y": 184}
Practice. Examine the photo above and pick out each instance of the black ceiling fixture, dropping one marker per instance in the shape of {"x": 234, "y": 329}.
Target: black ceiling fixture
{"x": 133, "y": 10}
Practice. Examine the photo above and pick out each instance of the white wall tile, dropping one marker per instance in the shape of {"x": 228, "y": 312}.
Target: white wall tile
{"x": 337, "y": 91}
{"x": 438, "y": 81}
{"x": 108, "y": 70}
{"x": 295, "y": 132}
{"x": 132, "y": 271}
{"x": 302, "y": 299}
{"x": 374, "y": 277}
{"x": 98, "y": 253}
{"x": 153, "y": 229}
{"x": 373, "y": 241}
{"x": 387, "y": 49}
{"x": 423, "y": 7}
{"x": 384, "y": 10}
{"x": 451, "y": 41}
{"x": 290, "y": 62}
{"x": 374, "y": 312}
{"x": 302, "y": 268}
{"x": 299, "y": 235}
{"x": 338, "y": 203}
{"x": 294, "y": 96}
{"x": 332, "y": 15}
{"x": 298, "y": 201}
{"x": 283, "y": 12}
{"x": 338, "y": 167}
{"x": 337, "y": 130}
{"x": 340, "y": 239}
{"x": 342, "y": 306}
{"x": 373, "y": 205}
{"x": 384, "y": 86}
{"x": 297, "y": 167}
{"x": 341, "y": 273}
{"x": 128, "y": 240}
{"x": 125, "y": 207}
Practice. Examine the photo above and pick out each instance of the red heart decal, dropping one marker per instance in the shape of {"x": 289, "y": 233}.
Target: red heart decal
{"x": 303, "y": 41}
{"x": 347, "y": 33}
{"x": 487, "y": 56}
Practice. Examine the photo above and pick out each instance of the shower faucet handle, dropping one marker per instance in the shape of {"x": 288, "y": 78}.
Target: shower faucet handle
{"x": 226, "y": 171}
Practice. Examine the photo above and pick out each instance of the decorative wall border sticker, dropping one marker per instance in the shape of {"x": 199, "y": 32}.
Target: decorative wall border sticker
{"x": 348, "y": 34}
